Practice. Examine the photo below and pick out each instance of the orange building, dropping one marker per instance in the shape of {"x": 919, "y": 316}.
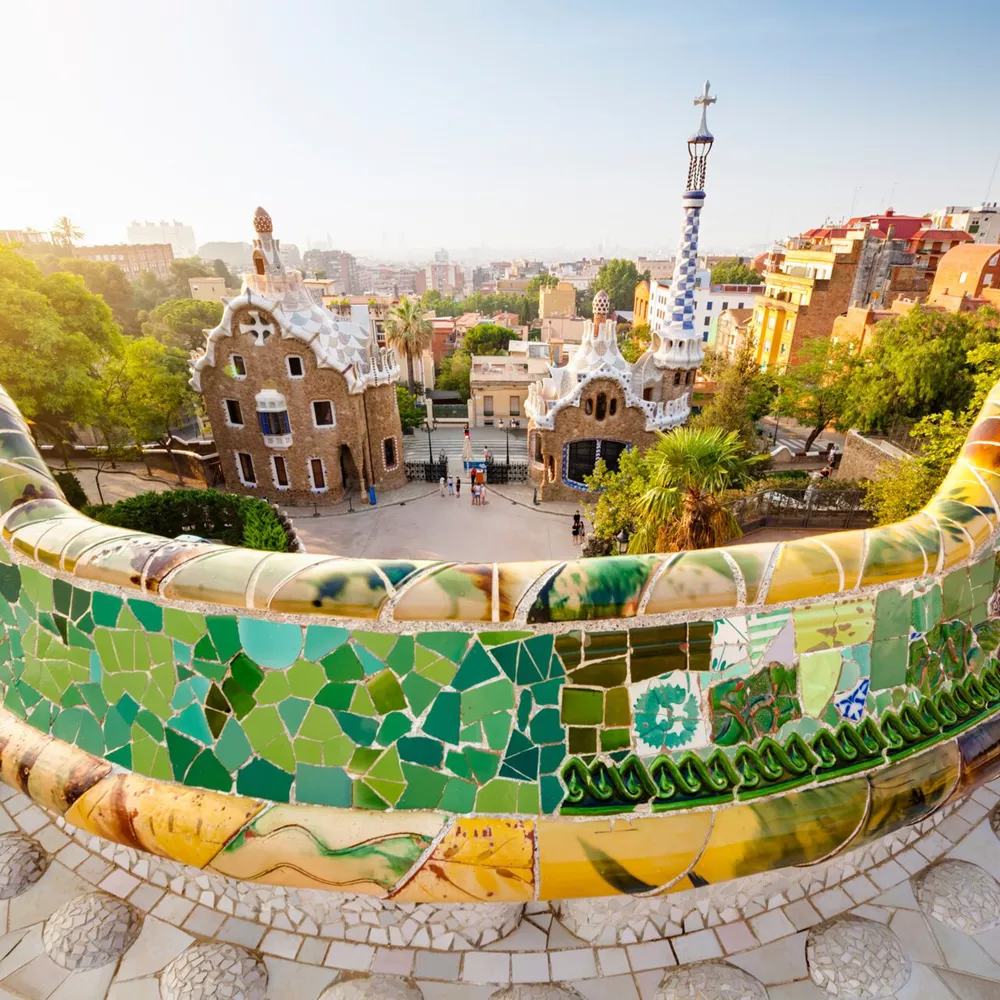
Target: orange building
{"x": 967, "y": 276}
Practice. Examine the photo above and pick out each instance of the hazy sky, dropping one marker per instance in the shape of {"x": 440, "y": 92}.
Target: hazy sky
{"x": 396, "y": 125}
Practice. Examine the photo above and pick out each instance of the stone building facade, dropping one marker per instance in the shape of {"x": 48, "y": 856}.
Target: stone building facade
{"x": 302, "y": 403}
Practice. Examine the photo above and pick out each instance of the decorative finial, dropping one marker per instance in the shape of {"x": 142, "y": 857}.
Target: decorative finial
{"x": 705, "y": 100}
{"x": 262, "y": 221}
{"x": 602, "y": 303}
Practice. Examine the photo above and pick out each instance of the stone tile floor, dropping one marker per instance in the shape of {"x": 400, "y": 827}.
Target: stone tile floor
{"x": 917, "y": 917}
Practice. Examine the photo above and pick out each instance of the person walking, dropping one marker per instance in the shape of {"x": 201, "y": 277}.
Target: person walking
{"x": 451, "y": 486}
{"x": 458, "y": 486}
{"x": 482, "y": 493}
{"x": 577, "y": 528}
{"x": 441, "y": 486}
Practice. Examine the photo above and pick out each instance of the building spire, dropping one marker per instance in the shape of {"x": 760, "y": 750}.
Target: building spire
{"x": 678, "y": 344}
{"x": 700, "y": 144}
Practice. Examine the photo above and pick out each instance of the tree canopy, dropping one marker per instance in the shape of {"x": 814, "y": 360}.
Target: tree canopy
{"x": 917, "y": 364}
{"x": 182, "y": 322}
{"x": 221, "y": 270}
{"x": 815, "y": 391}
{"x": 487, "y": 304}
{"x": 65, "y": 232}
{"x": 455, "y": 373}
{"x": 618, "y": 278}
{"x": 408, "y": 333}
{"x": 901, "y": 491}
{"x": 180, "y": 270}
{"x": 743, "y": 394}
{"x": 412, "y": 413}
{"x": 734, "y": 272}
{"x": 149, "y": 291}
{"x": 102, "y": 278}
{"x": 668, "y": 498}
{"x": 633, "y": 342}
{"x": 488, "y": 338}
{"x": 54, "y": 336}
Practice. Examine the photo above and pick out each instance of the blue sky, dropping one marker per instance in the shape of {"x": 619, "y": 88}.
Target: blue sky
{"x": 400, "y": 126}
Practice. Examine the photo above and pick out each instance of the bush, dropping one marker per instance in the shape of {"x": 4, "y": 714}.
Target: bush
{"x": 222, "y": 517}
{"x": 261, "y": 527}
{"x": 72, "y": 489}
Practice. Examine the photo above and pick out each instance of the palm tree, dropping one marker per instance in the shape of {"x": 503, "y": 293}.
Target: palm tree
{"x": 408, "y": 333}
{"x": 65, "y": 232}
{"x": 680, "y": 509}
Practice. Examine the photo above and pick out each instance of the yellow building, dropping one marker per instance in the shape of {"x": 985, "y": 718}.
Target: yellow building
{"x": 558, "y": 300}
{"x": 640, "y": 304}
{"x": 802, "y": 299}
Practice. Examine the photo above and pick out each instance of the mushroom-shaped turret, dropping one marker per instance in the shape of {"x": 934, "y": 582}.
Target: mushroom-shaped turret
{"x": 602, "y": 304}
{"x": 262, "y": 221}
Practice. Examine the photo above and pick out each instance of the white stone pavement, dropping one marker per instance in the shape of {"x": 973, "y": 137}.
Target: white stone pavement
{"x": 913, "y": 917}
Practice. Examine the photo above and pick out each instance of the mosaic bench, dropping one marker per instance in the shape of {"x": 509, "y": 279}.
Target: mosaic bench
{"x": 427, "y": 731}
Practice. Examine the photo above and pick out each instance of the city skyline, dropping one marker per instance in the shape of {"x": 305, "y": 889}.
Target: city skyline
{"x": 561, "y": 138}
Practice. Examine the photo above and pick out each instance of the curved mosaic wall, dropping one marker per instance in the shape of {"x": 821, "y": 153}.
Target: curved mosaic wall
{"x": 498, "y": 732}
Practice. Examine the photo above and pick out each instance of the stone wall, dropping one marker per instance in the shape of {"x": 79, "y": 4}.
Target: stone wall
{"x": 868, "y": 458}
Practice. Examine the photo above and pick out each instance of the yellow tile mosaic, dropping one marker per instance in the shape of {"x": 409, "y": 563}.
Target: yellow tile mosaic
{"x": 485, "y": 860}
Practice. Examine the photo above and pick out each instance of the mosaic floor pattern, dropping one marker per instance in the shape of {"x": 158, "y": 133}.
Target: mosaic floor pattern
{"x": 910, "y": 917}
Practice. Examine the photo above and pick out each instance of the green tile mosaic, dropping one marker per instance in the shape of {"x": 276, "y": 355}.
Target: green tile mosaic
{"x": 453, "y": 719}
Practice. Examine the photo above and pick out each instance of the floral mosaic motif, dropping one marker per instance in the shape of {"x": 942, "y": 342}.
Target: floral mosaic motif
{"x": 852, "y": 706}
{"x": 746, "y": 708}
{"x": 667, "y": 713}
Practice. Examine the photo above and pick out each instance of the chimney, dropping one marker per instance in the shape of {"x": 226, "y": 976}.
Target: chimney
{"x": 889, "y": 212}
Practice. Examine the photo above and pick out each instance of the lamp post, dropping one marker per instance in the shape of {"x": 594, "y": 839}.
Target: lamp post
{"x": 430, "y": 451}
{"x": 622, "y": 539}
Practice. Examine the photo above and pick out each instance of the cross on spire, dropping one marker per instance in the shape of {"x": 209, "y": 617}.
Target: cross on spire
{"x": 705, "y": 100}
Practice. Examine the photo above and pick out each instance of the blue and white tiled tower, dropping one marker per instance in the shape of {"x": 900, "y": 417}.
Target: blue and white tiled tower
{"x": 678, "y": 345}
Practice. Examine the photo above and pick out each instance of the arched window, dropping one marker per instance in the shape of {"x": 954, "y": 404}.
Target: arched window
{"x": 677, "y": 378}
{"x": 602, "y": 406}
{"x": 588, "y": 406}
{"x": 258, "y": 262}
{"x": 550, "y": 469}
{"x": 687, "y": 378}
{"x": 613, "y": 406}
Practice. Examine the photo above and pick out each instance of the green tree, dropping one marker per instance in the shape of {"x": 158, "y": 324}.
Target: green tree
{"x": 901, "y": 490}
{"x": 916, "y": 365}
{"x": 618, "y": 494}
{"x": 668, "y": 498}
{"x": 634, "y": 342}
{"x": 734, "y": 272}
{"x": 488, "y": 338}
{"x": 149, "y": 291}
{"x": 681, "y": 509}
{"x": 155, "y": 394}
{"x": 408, "y": 333}
{"x": 102, "y": 278}
{"x": 412, "y": 413}
{"x": 585, "y": 302}
{"x": 743, "y": 394}
{"x": 221, "y": 270}
{"x": 618, "y": 278}
{"x": 456, "y": 373}
{"x": 814, "y": 392}
{"x": 65, "y": 232}
{"x": 54, "y": 336}
{"x": 180, "y": 271}
{"x": 182, "y": 322}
